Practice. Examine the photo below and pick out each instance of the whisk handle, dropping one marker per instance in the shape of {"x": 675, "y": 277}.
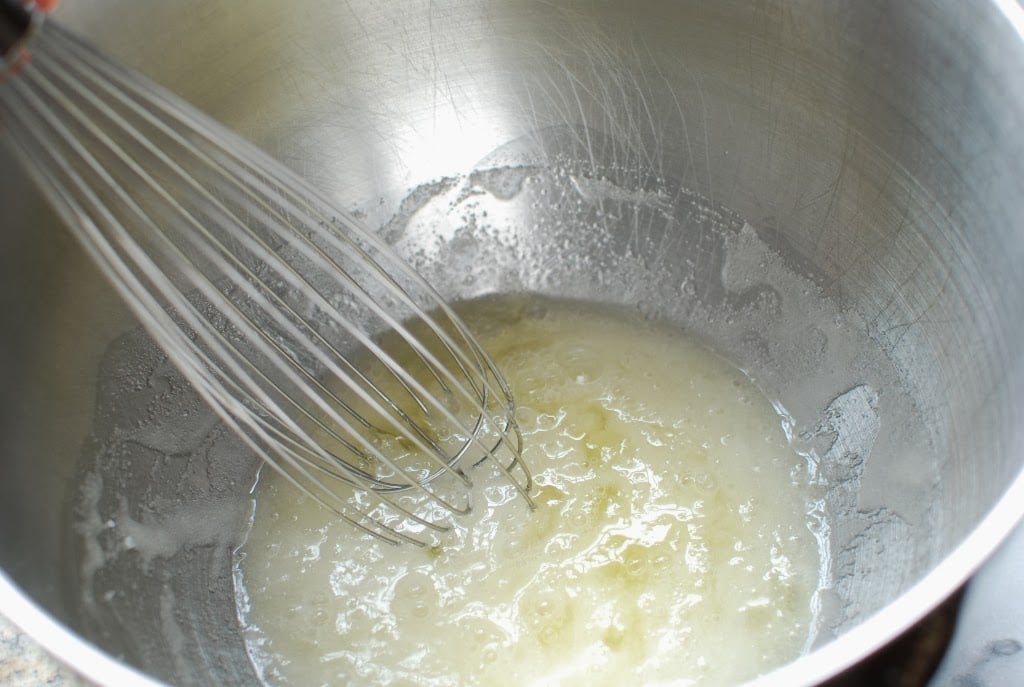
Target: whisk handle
{"x": 15, "y": 22}
{"x": 18, "y": 19}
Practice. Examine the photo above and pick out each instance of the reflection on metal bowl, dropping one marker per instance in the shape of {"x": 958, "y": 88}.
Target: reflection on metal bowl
{"x": 829, "y": 193}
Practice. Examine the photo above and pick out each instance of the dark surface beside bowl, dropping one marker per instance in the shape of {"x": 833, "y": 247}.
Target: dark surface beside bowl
{"x": 912, "y": 659}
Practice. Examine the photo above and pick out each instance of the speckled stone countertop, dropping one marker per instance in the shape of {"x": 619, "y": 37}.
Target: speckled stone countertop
{"x": 24, "y": 664}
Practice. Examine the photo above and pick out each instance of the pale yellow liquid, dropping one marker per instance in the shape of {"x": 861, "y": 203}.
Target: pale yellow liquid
{"x": 671, "y": 542}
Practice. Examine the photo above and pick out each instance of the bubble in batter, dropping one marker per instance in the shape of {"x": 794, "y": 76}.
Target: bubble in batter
{"x": 671, "y": 539}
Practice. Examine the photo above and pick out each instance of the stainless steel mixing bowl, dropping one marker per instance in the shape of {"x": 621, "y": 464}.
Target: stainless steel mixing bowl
{"x": 830, "y": 193}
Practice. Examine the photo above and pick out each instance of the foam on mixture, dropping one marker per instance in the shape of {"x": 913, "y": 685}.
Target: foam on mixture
{"x": 672, "y": 539}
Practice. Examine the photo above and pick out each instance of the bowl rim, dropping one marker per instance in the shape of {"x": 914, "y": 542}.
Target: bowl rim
{"x": 902, "y": 613}
{"x": 820, "y": 664}
{"x": 65, "y": 645}
{"x": 953, "y": 571}
{"x": 815, "y": 667}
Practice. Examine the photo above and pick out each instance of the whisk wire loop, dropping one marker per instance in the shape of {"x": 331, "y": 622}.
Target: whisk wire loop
{"x": 260, "y": 293}
{"x": 450, "y": 346}
{"x": 156, "y": 319}
{"x": 242, "y": 321}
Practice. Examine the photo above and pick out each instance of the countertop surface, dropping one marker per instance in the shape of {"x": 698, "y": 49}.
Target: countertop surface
{"x": 24, "y": 664}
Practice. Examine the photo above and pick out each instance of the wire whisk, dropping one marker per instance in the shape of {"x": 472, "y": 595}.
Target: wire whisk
{"x": 331, "y": 358}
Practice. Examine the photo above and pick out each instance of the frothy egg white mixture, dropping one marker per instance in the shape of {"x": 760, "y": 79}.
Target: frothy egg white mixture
{"x": 672, "y": 540}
